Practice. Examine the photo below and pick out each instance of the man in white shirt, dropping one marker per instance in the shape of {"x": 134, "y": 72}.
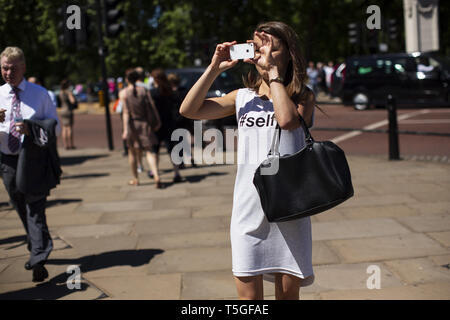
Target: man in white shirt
{"x": 21, "y": 100}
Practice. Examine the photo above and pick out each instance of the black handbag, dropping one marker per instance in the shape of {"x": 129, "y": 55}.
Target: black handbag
{"x": 310, "y": 181}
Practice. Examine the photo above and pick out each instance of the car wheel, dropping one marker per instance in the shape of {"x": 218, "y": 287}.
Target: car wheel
{"x": 360, "y": 101}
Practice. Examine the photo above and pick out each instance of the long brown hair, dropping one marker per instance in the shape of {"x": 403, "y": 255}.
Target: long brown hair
{"x": 295, "y": 76}
{"x": 162, "y": 82}
{"x": 132, "y": 76}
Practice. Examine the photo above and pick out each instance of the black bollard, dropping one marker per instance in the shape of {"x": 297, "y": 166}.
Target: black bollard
{"x": 393, "y": 128}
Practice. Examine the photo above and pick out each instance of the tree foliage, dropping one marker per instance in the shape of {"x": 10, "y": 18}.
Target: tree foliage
{"x": 173, "y": 33}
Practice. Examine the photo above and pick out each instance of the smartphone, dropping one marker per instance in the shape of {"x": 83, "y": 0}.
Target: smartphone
{"x": 242, "y": 51}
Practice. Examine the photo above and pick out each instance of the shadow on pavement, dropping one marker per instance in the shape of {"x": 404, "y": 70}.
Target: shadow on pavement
{"x": 57, "y": 202}
{"x": 14, "y": 239}
{"x": 199, "y": 177}
{"x": 56, "y": 287}
{"x": 82, "y": 176}
{"x": 71, "y": 161}
{"x": 5, "y": 205}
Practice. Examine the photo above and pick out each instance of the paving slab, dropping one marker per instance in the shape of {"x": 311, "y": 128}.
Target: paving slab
{"x": 386, "y": 248}
{"x": 333, "y": 214}
{"x": 349, "y": 277}
{"x": 13, "y": 223}
{"x": 218, "y": 190}
{"x": 19, "y": 249}
{"x": 389, "y": 211}
{"x": 67, "y": 205}
{"x": 441, "y": 237}
{"x": 376, "y": 200}
{"x": 421, "y": 270}
{"x": 3, "y": 266}
{"x": 182, "y": 225}
{"x": 72, "y": 219}
{"x": 430, "y": 208}
{"x": 191, "y": 260}
{"x": 97, "y": 230}
{"x": 116, "y": 206}
{"x": 92, "y": 245}
{"x": 132, "y": 216}
{"x": 347, "y": 229}
{"x": 427, "y": 223}
{"x": 429, "y": 291}
{"x": 410, "y": 188}
{"x": 146, "y": 193}
{"x": 213, "y": 211}
{"x": 48, "y": 291}
{"x": 426, "y": 196}
{"x": 95, "y": 195}
{"x": 185, "y": 240}
{"x": 208, "y": 285}
{"x": 322, "y": 254}
{"x": 443, "y": 260}
{"x": 150, "y": 287}
{"x": 191, "y": 202}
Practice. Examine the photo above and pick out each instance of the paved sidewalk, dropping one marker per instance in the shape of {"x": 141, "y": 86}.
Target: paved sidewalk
{"x": 143, "y": 243}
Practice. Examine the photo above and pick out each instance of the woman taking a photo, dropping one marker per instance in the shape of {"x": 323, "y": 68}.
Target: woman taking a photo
{"x": 277, "y": 91}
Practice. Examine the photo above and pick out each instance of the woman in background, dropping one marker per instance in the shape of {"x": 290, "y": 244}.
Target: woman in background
{"x": 67, "y": 101}
{"x": 140, "y": 122}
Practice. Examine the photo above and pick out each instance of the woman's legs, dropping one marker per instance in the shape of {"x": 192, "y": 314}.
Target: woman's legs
{"x": 287, "y": 287}
{"x": 133, "y": 154}
{"x": 152, "y": 163}
{"x": 176, "y": 170}
{"x": 250, "y": 288}
{"x": 64, "y": 134}
{"x": 139, "y": 160}
{"x": 70, "y": 137}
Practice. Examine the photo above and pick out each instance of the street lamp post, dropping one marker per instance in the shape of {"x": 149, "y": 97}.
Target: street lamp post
{"x": 102, "y": 54}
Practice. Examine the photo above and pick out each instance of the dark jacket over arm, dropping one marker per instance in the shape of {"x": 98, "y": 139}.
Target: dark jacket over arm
{"x": 38, "y": 168}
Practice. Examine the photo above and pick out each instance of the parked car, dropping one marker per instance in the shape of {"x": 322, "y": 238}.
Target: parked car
{"x": 225, "y": 83}
{"x": 420, "y": 79}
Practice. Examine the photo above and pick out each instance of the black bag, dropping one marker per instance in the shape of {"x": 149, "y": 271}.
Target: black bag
{"x": 73, "y": 106}
{"x": 305, "y": 183}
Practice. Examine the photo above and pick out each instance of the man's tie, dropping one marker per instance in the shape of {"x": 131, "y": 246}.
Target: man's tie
{"x": 14, "y": 136}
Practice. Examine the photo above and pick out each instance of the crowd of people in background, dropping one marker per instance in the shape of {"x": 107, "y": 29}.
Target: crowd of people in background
{"x": 153, "y": 89}
{"x": 319, "y": 77}
{"x": 149, "y": 106}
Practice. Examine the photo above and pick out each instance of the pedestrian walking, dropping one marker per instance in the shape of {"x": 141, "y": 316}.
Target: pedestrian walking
{"x": 321, "y": 80}
{"x": 313, "y": 77}
{"x": 39, "y": 82}
{"x": 165, "y": 102}
{"x": 180, "y": 121}
{"x": 25, "y": 111}
{"x": 140, "y": 122}
{"x": 277, "y": 91}
{"x": 329, "y": 68}
{"x": 68, "y": 103}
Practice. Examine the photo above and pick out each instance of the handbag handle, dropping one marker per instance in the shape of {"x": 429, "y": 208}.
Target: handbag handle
{"x": 275, "y": 146}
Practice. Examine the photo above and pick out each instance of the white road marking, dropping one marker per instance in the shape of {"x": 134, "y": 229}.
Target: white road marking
{"x": 377, "y": 125}
{"x": 426, "y": 121}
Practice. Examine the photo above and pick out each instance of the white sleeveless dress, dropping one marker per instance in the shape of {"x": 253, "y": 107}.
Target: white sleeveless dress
{"x": 260, "y": 247}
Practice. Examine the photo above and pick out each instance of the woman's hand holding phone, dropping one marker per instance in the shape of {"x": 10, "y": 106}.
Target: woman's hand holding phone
{"x": 263, "y": 52}
{"x": 221, "y": 59}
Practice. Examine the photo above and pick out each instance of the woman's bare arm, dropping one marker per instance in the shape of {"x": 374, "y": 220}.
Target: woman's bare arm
{"x": 195, "y": 105}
